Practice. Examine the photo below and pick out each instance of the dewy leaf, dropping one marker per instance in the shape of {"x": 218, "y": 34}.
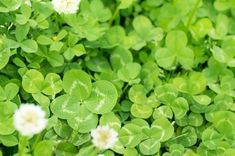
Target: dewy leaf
{"x": 77, "y": 83}
{"x": 32, "y": 81}
{"x": 103, "y": 97}
{"x": 65, "y": 106}
{"x": 29, "y": 46}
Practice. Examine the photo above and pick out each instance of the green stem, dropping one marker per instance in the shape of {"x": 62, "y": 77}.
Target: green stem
{"x": 179, "y": 136}
{"x": 123, "y": 91}
{"x": 116, "y": 12}
{"x": 38, "y": 138}
{"x": 193, "y": 13}
{"x": 22, "y": 145}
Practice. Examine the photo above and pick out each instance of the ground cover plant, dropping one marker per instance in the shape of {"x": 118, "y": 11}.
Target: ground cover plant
{"x": 117, "y": 77}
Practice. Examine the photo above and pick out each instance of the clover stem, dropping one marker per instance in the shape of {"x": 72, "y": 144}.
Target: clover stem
{"x": 180, "y": 136}
{"x": 22, "y": 145}
{"x": 116, "y": 12}
{"x": 38, "y": 138}
{"x": 193, "y": 13}
{"x": 53, "y": 96}
{"x": 123, "y": 91}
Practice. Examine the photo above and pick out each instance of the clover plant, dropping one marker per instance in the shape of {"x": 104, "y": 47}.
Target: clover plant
{"x": 159, "y": 73}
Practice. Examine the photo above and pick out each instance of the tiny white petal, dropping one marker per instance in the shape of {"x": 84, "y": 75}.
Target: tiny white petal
{"x": 100, "y": 155}
{"x": 66, "y": 6}
{"x": 29, "y": 119}
{"x": 104, "y": 137}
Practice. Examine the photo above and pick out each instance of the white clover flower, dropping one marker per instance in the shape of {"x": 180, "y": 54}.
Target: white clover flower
{"x": 27, "y": 2}
{"x": 29, "y": 119}
{"x": 104, "y": 137}
{"x": 66, "y": 6}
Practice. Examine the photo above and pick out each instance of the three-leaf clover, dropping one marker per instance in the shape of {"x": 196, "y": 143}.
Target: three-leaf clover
{"x": 176, "y": 51}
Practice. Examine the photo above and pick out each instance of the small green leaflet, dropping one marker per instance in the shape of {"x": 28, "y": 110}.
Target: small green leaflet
{"x": 77, "y": 83}
{"x": 103, "y": 97}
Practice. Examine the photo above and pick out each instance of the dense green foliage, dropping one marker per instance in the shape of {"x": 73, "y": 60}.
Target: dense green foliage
{"x": 160, "y": 72}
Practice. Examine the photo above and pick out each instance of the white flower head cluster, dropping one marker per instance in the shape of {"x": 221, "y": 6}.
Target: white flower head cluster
{"x": 66, "y": 6}
{"x": 27, "y": 2}
{"x": 29, "y": 119}
{"x": 104, "y": 137}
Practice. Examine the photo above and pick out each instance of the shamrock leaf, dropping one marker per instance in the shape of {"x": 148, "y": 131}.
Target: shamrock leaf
{"x": 77, "y": 83}
{"x": 65, "y": 106}
{"x": 33, "y": 81}
{"x": 29, "y": 46}
{"x": 130, "y": 135}
{"x": 103, "y": 97}
{"x": 149, "y": 147}
{"x": 144, "y": 32}
{"x": 176, "y": 50}
{"x": 164, "y": 127}
{"x": 84, "y": 121}
{"x": 129, "y": 73}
